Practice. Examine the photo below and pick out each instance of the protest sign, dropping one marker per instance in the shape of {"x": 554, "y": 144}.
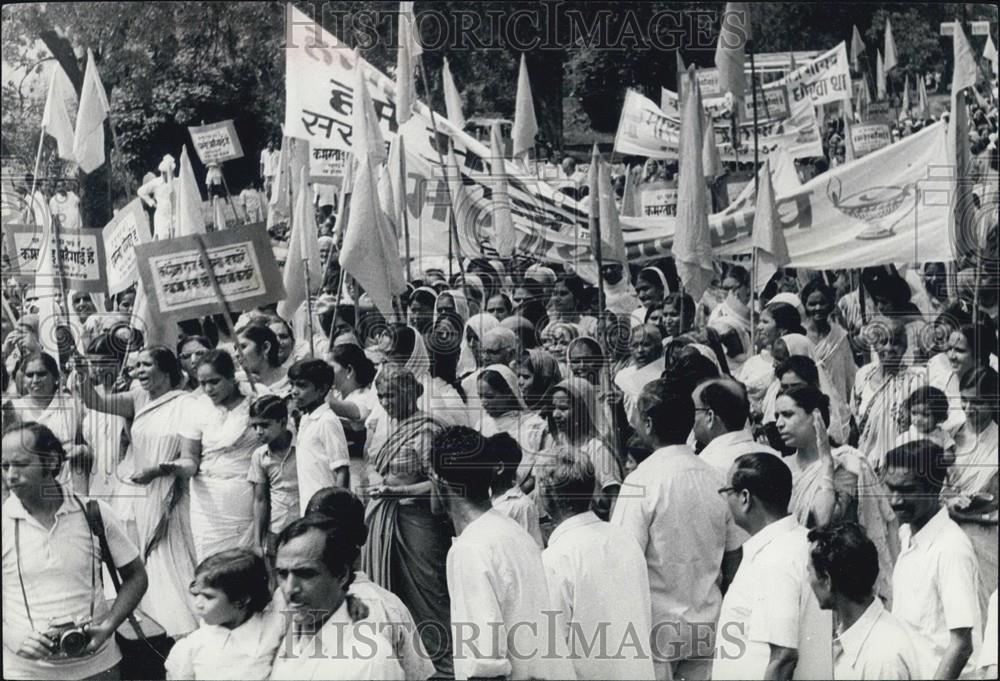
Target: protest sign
{"x": 659, "y": 198}
{"x": 81, "y": 253}
{"x": 869, "y": 137}
{"x": 326, "y": 164}
{"x": 216, "y": 142}
{"x": 772, "y": 104}
{"x": 174, "y": 276}
{"x": 825, "y": 79}
{"x": 708, "y": 82}
{"x": 128, "y": 228}
{"x": 878, "y": 112}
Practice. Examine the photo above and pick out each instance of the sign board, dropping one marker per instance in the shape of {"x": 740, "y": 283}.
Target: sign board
{"x": 326, "y": 164}
{"x": 948, "y": 28}
{"x": 878, "y": 112}
{"x": 772, "y": 105}
{"x": 128, "y": 228}
{"x": 175, "y": 279}
{"x": 81, "y": 253}
{"x": 870, "y": 137}
{"x": 216, "y": 142}
{"x": 659, "y": 198}
{"x": 980, "y": 27}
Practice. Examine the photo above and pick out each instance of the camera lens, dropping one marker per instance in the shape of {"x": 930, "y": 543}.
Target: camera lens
{"x": 73, "y": 642}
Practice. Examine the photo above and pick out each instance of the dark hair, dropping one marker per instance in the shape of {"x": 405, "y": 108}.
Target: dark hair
{"x": 800, "y": 365}
{"x": 270, "y": 407}
{"x": 493, "y": 379}
{"x": 570, "y": 481}
{"x": 166, "y": 361}
{"x": 739, "y": 273}
{"x": 728, "y": 399}
{"x": 690, "y": 370}
{"x": 808, "y": 398}
{"x": 49, "y": 363}
{"x": 786, "y": 317}
{"x": 220, "y": 361}
{"x": 846, "y": 555}
{"x": 44, "y": 444}
{"x": 984, "y": 381}
{"x": 201, "y": 340}
{"x": 260, "y": 334}
{"x": 459, "y": 457}
{"x": 343, "y": 508}
{"x": 652, "y": 279}
{"x": 683, "y": 302}
{"x": 350, "y": 355}
{"x": 238, "y": 573}
{"x": 671, "y": 410}
{"x": 344, "y": 312}
{"x": 404, "y": 340}
{"x": 576, "y": 286}
{"x": 116, "y": 342}
{"x": 933, "y": 398}
{"x": 892, "y": 288}
{"x": 766, "y": 477}
{"x": 925, "y": 458}
{"x": 981, "y": 341}
{"x": 316, "y": 371}
{"x": 339, "y": 547}
{"x": 504, "y": 449}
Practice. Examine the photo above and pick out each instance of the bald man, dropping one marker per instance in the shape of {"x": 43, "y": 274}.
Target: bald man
{"x": 646, "y": 348}
{"x": 721, "y": 414}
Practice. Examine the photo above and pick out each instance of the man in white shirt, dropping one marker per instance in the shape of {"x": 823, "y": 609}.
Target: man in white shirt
{"x": 871, "y": 643}
{"x": 670, "y": 505}
{"x": 935, "y": 583}
{"x": 597, "y": 579}
{"x": 501, "y": 614}
{"x": 314, "y": 571}
{"x": 771, "y": 626}
{"x": 321, "y": 454}
{"x": 269, "y": 159}
{"x": 65, "y": 205}
{"x": 52, "y": 567}
{"x": 721, "y": 414}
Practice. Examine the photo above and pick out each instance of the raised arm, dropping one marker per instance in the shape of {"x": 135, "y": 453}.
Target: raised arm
{"x": 117, "y": 404}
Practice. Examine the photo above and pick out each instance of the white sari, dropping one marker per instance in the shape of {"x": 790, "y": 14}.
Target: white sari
{"x": 631, "y": 380}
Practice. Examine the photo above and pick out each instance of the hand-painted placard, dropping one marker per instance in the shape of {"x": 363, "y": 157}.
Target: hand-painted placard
{"x": 126, "y": 230}
{"x": 81, "y": 255}
{"x": 326, "y": 164}
{"x": 178, "y": 285}
{"x": 216, "y": 142}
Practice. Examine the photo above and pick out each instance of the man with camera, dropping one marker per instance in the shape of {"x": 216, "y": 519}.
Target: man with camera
{"x": 56, "y": 624}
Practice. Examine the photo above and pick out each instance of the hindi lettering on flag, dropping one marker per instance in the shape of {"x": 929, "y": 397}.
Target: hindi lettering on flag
{"x": 216, "y": 142}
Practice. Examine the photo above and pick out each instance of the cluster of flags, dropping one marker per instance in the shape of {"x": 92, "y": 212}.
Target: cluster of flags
{"x": 82, "y": 143}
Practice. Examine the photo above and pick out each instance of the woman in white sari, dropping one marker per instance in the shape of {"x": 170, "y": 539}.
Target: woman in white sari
{"x": 832, "y": 346}
{"x": 159, "y": 500}
{"x": 504, "y": 411}
{"x": 757, "y": 372}
{"x": 646, "y": 346}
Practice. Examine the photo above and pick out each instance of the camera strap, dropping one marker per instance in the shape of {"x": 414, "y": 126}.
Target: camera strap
{"x": 20, "y": 571}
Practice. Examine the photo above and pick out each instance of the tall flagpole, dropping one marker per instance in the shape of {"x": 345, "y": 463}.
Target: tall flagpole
{"x": 756, "y": 178}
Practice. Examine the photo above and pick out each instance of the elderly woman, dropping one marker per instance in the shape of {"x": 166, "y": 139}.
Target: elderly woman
{"x": 646, "y": 346}
{"x": 407, "y": 545}
{"x": 161, "y": 506}
{"x": 832, "y": 345}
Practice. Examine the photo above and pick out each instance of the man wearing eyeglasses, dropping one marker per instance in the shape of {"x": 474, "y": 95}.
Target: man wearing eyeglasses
{"x": 771, "y": 625}
{"x": 721, "y": 416}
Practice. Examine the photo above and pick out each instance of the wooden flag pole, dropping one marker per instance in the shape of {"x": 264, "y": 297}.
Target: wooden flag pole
{"x": 336, "y": 306}
{"x": 756, "y": 182}
{"x": 309, "y": 305}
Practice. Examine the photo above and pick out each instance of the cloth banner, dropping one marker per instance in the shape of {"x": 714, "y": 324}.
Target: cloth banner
{"x": 216, "y": 142}
{"x": 128, "y": 228}
{"x": 81, "y": 253}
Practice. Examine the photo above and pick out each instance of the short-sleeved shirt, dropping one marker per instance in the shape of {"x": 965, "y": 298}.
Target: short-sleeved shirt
{"x": 935, "y": 588}
{"x": 282, "y": 484}
{"x": 320, "y": 449}
{"x": 516, "y": 505}
{"x": 876, "y": 646}
{"x": 215, "y": 652}
{"x": 269, "y": 159}
{"x": 56, "y": 567}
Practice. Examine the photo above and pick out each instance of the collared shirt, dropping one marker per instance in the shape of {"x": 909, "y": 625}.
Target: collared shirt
{"x": 56, "y": 567}
{"x": 282, "y": 484}
{"x": 214, "y": 652}
{"x": 499, "y": 598}
{"x": 597, "y": 580}
{"x": 988, "y": 653}
{"x": 515, "y": 505}
{"x": 935, "y": 587}
{"x": 342, "y": 650}
{"x": 320, "y": 449}
{"x": 671, "y": 505}
{"x": 723, "y": 451}
{"x": 876, "y": 646}
{"x": 769, "y": 603}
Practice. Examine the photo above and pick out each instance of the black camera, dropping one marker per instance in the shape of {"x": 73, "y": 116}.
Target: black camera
{"x": 72, "y": 638}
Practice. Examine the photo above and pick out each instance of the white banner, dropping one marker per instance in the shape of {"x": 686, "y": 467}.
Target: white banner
{"x": 327, "y": 165}
{"x": 825, "y": 79}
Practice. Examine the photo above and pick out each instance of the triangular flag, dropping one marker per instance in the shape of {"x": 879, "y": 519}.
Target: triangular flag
{"x": 88, "y": 139}
{"x": 863, "y": 99}
{"x": 56, "y": 118}
{"x": 463, "y": 208}
{"x": 905, "y": 106}
{"x": 408, "y": 30}
{"x": 612, "y": 240}
{"x": 452, "y": 100}
{"x": 46, "y": 285}
{"x": 990, "y": 54}
{"x": 366, "y": 135}
{"x": 711, "y": 163}
{"x": 692, "y": 246}
{"x": 190, "y": 219}
{"x": 369, "y": 253}
{"x": 964, "y": 74}
{"x": 594, "y": 194}
{"x": 303, "y": 253}
{"x": 730, "y": 53}
{"x": 767, "y": 236}
{"x": 890, "y": 48}
{"x": 857, "y": 48}
{"x": 879, "y": 77}
{"x": 406, "y": 87}
{"x": 922, "y": 103}
{"x": 792, "y": 66}
{"x": 525, "y": 124}
{"x": 630, "y": 194}
{"x": 504, "y": 235}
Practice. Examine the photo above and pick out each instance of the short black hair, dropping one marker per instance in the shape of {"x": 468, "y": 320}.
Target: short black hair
{"x": 504, "y": 449}
{"x": 343, "y": 508}
{"x": 786, "y": 317}
{"x": 766, "y": 477}
{"x": 800, "y": 365}
{"x": 220, "y": 361}
{"x": 351, "y": 355}
{"x": 570, "y": 481}
{"x": 238, "y": 573}
{"x": 933, "y": 398}
{"x": 270, "y": 407}
{"x": 846, "y": 555}
{"x": 728, "y": 399}
{"x": 339, "y": 548}
{"x": 670, "y": 408}
{"x": 44, "y": 444}
{"x": 460, "y": 458}
{"x": 925, "y": 458}
{"x": 808, "y": 398}
{"x": 344, "y": 313}
{"x": 316, "y": 371}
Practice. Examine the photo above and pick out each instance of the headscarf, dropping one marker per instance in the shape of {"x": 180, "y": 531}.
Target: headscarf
{"x": 790, "y": 299}
{"x": 429, "y": 291}
{"x": 475, "y": 281}
{"x": 461, "y": 303}
{"x": 167, "y": 165}
{"x": 480, "y": 324}
{"x": 419, "y": 362}
{"x": 655, "y": 275}
{"x": 510, "y": 378}
{"x": 546, "y": 372}
{"x": 708, "y": 353}
{"x": 799, "y": 345}
{"x": 541, "y": 274}
{"x": 523, "y": 329}
{"x": 580, "y": 392}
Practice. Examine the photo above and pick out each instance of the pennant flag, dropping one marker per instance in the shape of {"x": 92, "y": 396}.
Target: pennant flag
{"x": 692, "y": 247}
{"x": 990, "y": 54}
{"x": 189, "y": 218}
{"x": 452, "y": 100}
{"x": 857, "y": 49}
{"x": 56, "y": 118}
{"x": 504, "y": 236}
{"x": 88, "y": 139}
{"x": 712, "y": 164}
{"x": 463, "y": 208}
{"x": 408, "y": 30}
{"x": 890, "y": 48}
{"x": 612, "y": 239}
{"x": 905, "y": 107}
{"x": 730, "y": 52}
{"x": 630, "y": 194}
{"x": 792, "y": 66}
{"x": 406, "y": 86}
{"x": 964, "y": 74}
{"x": 366, "y": 135}
{"x": 303, "y": 253}
{"x": 922, "y": 104}
{"x": 525, "y": 124}
{"x": 369, "y": 253}
{"x": 879, "y": 77}
{"x": 768, "y": 236}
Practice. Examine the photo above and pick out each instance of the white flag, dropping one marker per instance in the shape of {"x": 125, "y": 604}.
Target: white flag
{"x": 88, "y": 139}
{"x": 56, "y": 119}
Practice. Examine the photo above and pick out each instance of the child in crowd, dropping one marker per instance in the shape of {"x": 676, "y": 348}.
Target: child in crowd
{"x": 506, "y": 494}
{"x": 272, "y": 473}
{"x": 927, "y": 408}
{"x": 239, "y": 635}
